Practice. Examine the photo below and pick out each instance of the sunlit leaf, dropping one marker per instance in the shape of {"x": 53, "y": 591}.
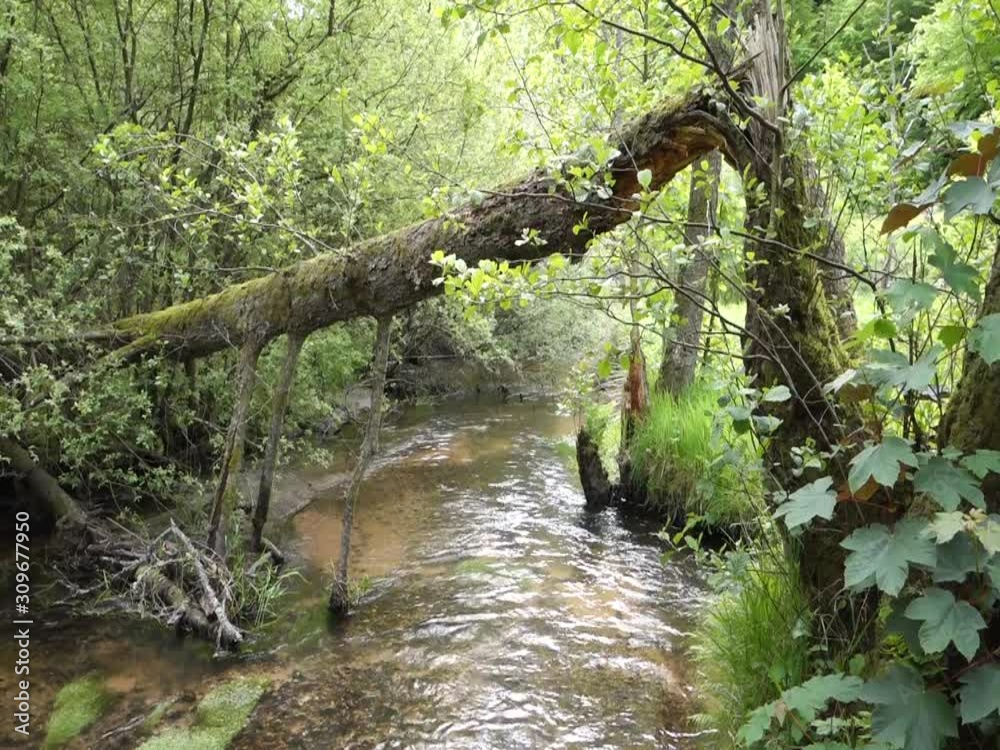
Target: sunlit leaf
{"x": 945, "y": 525}
{"x": 952, "y": 336}
{"x": 987, "y": 531}
{"x": 806, "y": 503}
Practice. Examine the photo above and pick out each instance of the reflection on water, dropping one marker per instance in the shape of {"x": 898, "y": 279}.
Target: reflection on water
{"x": 503, "y": 614}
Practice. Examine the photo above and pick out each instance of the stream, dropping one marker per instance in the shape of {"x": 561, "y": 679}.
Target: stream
{"x": 499, "y": 612}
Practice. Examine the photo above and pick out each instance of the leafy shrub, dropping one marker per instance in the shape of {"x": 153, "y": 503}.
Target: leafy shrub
{"x": 750, "y": 643}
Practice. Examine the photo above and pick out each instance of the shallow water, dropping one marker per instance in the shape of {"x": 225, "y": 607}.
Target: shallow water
{"x": 501, "y": 613}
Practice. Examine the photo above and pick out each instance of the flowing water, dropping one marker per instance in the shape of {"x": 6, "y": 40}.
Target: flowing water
{"x": 501, "y": 614}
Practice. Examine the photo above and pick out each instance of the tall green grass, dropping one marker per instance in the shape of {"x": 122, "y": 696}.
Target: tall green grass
{"x": 693, "y": 463}
{"x": 750, "y": 643}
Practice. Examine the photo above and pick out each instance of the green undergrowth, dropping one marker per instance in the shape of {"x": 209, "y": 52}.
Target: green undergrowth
{"x": 693, "y": 464}
{"x": 219, "y": 717}
{"x": 78, "y": 705}
{"x": 752, "y": 641}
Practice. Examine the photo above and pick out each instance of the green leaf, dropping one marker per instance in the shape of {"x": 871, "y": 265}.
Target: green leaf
{"x": 907, "y": 715}
{"x": 984, "y": 339}
{"x": 946, "y": 620}
{"x": 806, "y": 700}
{"x": 980, "y": 693}
{"x": 945, "y": 525}
{"x": 993, "y": 570}
{"x": 811, "y": 697}
{"x": 961, "y": 277}
{"x": 947, "y": 484}
{"x": 907, "y": 629}
{"x": 806, "y": 503}
{"x": 777, "y": 394}
{"x": 880, "y": 461}
{"x": 645, "y": 178}
{"x": 741, "y": 418}
{"x": 766, "y": 424}
{"x": 952, "y": 336}
{"x": 988, "y": 533}
{"x": 972, "y": 192}
{"x": 982, "y": 462}
{"x": 604, "y": 368}
{"x": 883, "y": 557}
{"x": 957, "y": 558}
{"x": 909, "y": 298}
{"x": 920, "y": 374}
{"x": 757, "y": 725}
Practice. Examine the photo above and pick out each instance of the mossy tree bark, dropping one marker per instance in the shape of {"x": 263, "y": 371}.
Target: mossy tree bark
{"x": 340, "y": 602}
{"x": 681, "y": 341}
{"x": 279, "y": 407}
{"x": 972, "y": 421}
{"x": 792, "y": 331}
{"x": 232, "y": 457}
{"x": 383, "y": 275}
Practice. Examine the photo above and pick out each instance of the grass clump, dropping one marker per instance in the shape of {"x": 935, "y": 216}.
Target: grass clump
{"x": 752, "y": 641}
{"x": 692, "y": 462}
{"x": 78, "y": 705}
{"x": 219, "y": 717}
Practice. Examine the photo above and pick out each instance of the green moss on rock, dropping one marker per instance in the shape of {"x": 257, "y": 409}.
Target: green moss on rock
{"x": 218, "y": 718}
{"x": 78, "y": 705}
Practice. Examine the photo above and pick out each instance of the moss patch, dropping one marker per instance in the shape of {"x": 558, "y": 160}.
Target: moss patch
{"x": 219, "y": 717}
{"x": 78, "y": 705}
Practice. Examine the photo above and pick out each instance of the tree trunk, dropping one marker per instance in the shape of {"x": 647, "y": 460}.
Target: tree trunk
{"x": 793, "y": 335}
{"x": 681, "y": 341}
{"x": 232, "y": 456}
{"x": 383, "y": 275}
{"x": 43, "y": 485}
{"x": 972, "y": 421}
{"x": 339, "y": 594}
{"x": 279, "y": 406}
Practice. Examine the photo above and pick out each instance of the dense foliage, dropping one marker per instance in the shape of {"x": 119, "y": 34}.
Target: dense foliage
{"x": 154, "y": 153}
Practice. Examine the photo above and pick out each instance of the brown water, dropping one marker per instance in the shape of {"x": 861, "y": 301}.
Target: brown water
{"x": 501, "y": 613}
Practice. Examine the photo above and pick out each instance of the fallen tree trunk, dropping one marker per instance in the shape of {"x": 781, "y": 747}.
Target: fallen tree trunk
{"x": 383, "y": 275}
{"x": 43, "y": 485}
